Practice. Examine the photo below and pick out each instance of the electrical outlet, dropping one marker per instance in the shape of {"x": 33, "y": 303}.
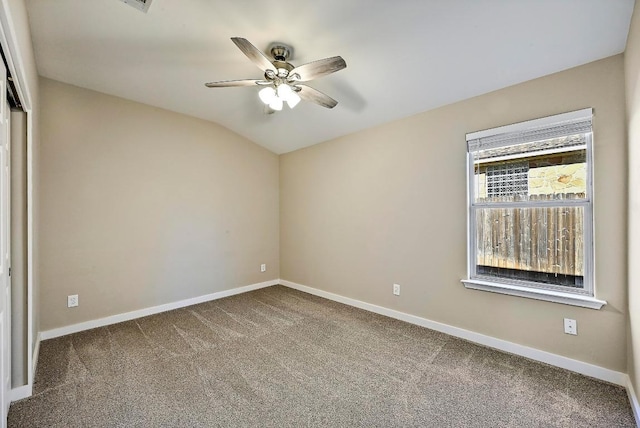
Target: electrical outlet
{"x": 396, "y": 289}
{"x": 72, "y": 301}
{"x": 570, "y": 326}
{"x": 263, "y": 267}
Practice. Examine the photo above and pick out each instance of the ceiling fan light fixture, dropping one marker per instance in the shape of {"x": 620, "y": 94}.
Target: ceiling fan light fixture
{"x": 276, "y": 104}
{"x": 267, "y": 95}
{"x": 293, "y": 100}
{"x": 286, "y": 93}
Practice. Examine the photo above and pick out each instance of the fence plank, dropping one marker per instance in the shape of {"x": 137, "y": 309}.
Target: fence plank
{"x": 548, "y": 240}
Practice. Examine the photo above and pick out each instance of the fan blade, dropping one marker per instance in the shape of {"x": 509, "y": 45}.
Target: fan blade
{"x": 307, "y": 93}
{"x": 315, "y": 69}
{"x": 232, "y": 83}
{"x": 253, "y": 53}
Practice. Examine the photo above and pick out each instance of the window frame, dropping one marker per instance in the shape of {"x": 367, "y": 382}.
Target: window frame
{"x": 550, "y": 292}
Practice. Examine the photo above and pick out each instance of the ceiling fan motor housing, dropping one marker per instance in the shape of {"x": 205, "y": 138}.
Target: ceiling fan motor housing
{"x": 280, "y": 51}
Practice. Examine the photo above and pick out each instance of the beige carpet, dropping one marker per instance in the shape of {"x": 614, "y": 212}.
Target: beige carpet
{"x": 281, "y": 358}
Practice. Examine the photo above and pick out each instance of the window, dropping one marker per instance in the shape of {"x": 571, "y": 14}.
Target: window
{"x": 530, "y": 210}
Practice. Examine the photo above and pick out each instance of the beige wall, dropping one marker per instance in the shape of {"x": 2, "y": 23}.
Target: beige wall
{"x": 632, "y": 73}
{"x": 142, "y": 206}
{"x": 388, "y": 205}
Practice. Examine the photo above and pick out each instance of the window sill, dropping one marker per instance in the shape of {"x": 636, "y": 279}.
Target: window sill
{"x": 547, "y": 295}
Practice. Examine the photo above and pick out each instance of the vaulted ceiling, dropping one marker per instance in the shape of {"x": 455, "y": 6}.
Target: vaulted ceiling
{"x": 403, "y": 57}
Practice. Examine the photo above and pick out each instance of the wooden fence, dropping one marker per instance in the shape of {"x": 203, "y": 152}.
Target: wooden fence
{"x": 548, "y": 240}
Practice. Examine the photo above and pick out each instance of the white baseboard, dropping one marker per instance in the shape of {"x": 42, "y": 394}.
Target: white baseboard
{"x": 21, "y": 392}
{"x": 114, "y": 319}
{"x": 25, "y": 391}
{"x": 36, "y": 352}
{"x": 633, "y": 399}
{"x": 586, "y": 369}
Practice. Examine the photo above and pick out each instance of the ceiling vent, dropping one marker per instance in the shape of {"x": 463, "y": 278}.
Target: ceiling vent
{"x": 142, "y": 5}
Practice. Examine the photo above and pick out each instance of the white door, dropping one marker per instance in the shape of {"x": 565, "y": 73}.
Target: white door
{"x": 5, "y": 283}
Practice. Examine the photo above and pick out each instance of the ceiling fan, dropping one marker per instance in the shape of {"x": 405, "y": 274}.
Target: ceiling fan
{"x": 282, "y": 80}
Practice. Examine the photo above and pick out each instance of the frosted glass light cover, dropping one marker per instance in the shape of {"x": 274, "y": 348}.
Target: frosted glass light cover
{"x": 293, "y": 99}
{"x": 284, "y": 91}
{"x": 276, "y": 104}
{"x": 267, "y": 95}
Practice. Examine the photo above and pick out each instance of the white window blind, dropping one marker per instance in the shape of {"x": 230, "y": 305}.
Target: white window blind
{"x": 578, "y": 122}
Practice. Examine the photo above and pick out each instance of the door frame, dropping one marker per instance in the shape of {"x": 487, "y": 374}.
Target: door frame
{"x": 15, "y": 66}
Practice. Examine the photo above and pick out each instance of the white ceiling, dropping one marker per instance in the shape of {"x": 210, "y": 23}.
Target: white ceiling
{"x": 403, "y": 57}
